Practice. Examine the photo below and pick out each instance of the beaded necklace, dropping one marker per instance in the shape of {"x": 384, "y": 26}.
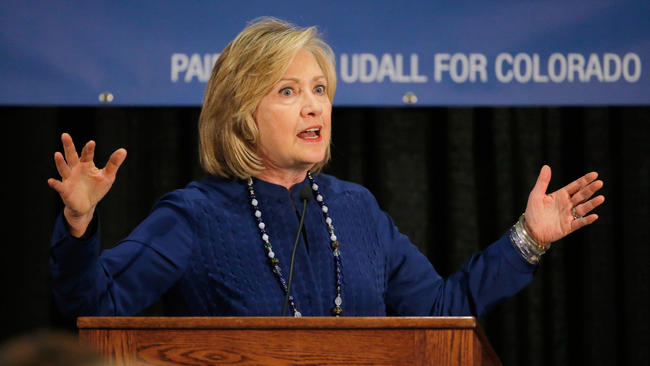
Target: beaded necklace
{"x": 337, "y": 310}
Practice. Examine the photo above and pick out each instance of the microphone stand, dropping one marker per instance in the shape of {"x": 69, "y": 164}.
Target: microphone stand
{"x": 304, "y": 197}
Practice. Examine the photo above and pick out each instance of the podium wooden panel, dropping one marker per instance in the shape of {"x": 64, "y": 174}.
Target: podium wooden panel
{"x": 288, "y": 341}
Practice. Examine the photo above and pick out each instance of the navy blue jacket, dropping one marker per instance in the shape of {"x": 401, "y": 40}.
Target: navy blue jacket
{"x": 201, "y": 251}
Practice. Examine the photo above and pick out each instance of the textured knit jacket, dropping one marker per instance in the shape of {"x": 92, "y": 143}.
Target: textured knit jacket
{"x": 200, "y": 250}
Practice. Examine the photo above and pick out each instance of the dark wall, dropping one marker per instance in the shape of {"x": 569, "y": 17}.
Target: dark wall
{"x": 453, "y": 179}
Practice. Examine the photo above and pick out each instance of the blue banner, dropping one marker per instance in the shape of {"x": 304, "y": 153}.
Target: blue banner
{"x": 388, "y": 53}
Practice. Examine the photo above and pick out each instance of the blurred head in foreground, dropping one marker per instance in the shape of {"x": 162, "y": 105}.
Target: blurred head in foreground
{"x": 48, "y": 348}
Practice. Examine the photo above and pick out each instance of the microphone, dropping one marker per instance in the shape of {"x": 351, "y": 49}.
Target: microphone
{"x": 305, "y": 195}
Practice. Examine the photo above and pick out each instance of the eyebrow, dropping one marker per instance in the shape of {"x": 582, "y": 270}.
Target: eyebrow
{"x": 296, "y": 80}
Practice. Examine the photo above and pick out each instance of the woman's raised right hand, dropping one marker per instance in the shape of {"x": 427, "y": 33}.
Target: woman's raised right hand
{"x": 82, "y": 184}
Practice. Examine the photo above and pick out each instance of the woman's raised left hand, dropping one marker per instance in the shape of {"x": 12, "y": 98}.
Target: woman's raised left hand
{"x": 550, "y": 217}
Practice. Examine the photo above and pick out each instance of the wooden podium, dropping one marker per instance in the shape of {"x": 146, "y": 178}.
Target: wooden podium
{"x": 288, "y": 341}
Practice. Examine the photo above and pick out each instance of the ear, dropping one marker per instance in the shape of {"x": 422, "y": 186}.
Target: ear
{"x": 247, "y": 128}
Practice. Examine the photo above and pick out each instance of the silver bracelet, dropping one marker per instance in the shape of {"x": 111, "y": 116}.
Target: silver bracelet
{"x": 527, "y": 246}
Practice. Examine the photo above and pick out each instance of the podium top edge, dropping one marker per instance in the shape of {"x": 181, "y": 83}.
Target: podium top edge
{"x": 117, "y": 322}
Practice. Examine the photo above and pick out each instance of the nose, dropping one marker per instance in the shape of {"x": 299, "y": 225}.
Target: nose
{"x": 311, "y": 106}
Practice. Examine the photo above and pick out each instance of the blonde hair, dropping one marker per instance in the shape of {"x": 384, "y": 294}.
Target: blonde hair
{"x": 247, "y": 69}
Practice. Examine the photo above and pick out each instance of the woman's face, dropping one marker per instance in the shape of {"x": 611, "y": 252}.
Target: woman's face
{"x": 294, "y": 118}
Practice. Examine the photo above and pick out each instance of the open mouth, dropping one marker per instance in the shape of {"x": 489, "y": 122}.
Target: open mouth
{"x": 310, "y": 134}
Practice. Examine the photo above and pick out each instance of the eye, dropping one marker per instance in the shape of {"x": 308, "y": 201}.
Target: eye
{"x": 287, "y": 92}
{"x": 320, "y": 89}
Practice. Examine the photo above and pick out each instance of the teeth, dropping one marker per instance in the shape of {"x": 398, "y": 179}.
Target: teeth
{"x": 315, "y": 131}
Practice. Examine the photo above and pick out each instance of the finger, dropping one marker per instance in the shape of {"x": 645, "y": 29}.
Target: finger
{"x": 70, "y": 151}
{"x": 88, "y": 152}
{"x": 114, "y": 162}
{"x": 543, "y": 180}
{"x": 586, "y": 192}
{"x": 575, "y": 186}
{"x": 55, "y": 184}
{"x": 583, "y": 221}
{"x": 61, "y": 166}
{"x": 588, "y": 206}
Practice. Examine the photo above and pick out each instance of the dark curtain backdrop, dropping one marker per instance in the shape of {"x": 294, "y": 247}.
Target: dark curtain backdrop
{"x": 453, "y": 179}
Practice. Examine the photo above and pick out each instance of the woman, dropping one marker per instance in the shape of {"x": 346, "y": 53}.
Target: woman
{"x": 221, "y": 246}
